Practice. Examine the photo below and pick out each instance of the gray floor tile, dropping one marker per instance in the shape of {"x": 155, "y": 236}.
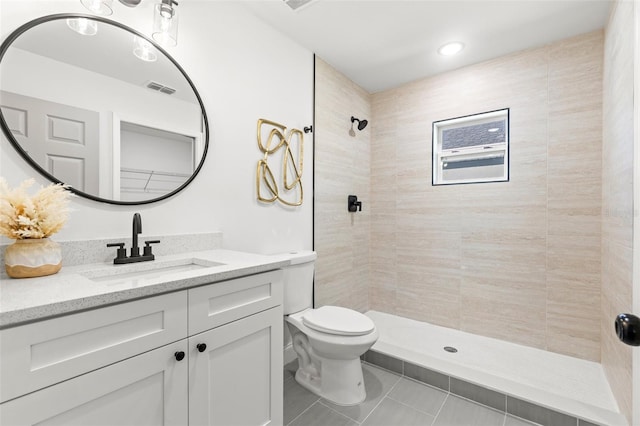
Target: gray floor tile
{"x": 537, "y": 414}
{"x": 418, "y": 395}
{"x": 390, "y": 412}
{"x": 384, "y": 361}
{"x": 460, "y": 412}
{"x": 290, "y": 370}
{"x": 585, "y": 423}
{"x": 377, "y": 383}
{"x": 425, "y": 375}
{"x": 479, "y": 394}
{"x": 296, "y": 400}
{"x": 321, "y": 415}
{"x": 515, "y": 421}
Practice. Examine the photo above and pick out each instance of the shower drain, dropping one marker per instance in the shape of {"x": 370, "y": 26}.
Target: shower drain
{"x": 450, "y": 349}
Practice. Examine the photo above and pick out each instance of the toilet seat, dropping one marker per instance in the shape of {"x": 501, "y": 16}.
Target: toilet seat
{"x": 338, "y": 321}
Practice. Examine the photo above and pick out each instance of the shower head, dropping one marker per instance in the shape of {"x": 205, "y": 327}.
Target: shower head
{"x": 361, "y": 123}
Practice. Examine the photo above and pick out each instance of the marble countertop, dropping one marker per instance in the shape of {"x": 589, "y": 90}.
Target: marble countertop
{"x": 76, "y": 288}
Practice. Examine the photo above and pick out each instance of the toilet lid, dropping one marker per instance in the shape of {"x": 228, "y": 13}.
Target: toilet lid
{"x": 337, "y": 320}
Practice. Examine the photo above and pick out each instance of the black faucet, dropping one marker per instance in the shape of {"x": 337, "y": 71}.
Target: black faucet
{"x": 135, "y": 250}
{"x": 137, "y": 229}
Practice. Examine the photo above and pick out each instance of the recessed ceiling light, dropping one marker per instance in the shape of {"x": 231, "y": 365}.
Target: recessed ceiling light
{"x": 451, "y": 48}
{"x": 493, "y": 129}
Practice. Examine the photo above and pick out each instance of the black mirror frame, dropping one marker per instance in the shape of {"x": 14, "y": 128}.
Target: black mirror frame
{"x": 5, "y": 128}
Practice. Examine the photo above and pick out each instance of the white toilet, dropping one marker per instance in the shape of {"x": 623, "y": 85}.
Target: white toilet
{"x": 328, "y": 340}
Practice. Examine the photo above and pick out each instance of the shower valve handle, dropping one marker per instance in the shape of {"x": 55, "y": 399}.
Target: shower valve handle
{"x": 353, "y": 205}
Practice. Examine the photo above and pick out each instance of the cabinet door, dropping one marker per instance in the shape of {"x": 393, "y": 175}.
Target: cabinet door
{"x": 237, "y": 379}
{"x": 148, "y": 389}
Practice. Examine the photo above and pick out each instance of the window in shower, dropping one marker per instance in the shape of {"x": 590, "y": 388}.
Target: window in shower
{"x": 471, "y": 149}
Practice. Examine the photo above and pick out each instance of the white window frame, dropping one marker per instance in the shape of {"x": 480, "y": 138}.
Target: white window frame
{"x": 441, "y": 157}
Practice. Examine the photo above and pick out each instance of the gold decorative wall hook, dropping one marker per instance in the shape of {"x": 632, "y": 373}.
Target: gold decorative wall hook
{"x": 291, "y": 168}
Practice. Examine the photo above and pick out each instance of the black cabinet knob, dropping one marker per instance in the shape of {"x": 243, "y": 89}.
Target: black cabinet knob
{"x": 201, "y": 347}
{"x": 179, "y": 355}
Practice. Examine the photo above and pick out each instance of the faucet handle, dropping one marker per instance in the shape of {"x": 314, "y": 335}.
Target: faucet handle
{"x": 121, "y": 253}
{"x": 147, "y": 247}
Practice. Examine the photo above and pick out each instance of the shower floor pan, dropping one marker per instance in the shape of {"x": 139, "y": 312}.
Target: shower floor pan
{"x": 560, "y": 383}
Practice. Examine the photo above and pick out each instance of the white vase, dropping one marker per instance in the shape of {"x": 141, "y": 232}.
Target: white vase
{"x": 30, "y": 258}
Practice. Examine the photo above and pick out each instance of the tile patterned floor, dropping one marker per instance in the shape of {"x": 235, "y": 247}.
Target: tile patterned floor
{"x": 392, "y": 400}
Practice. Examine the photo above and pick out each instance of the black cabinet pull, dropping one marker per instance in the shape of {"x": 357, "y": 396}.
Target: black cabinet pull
{"x": 201, "y": 347}
{"x": 179, "y": 355}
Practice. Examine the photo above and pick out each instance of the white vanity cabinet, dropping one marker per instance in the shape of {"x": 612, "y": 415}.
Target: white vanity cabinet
{"x": 210, "y": 355}
{"x": 235, "y": 364}
{"x": 237, "y": 378}
{"x": 148, "y": 389}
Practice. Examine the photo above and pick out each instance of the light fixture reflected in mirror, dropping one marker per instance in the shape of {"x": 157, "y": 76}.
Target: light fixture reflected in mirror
{"x": 83, "y": 26}
{"x": 165, "y": 23}
{"x": 451, "y": 48}
{"x": 144, "y": 50}
{"x": 165, "y": 17}
{"x": 99, "y": 7}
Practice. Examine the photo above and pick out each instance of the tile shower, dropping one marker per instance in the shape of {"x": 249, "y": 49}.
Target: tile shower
{"x": 521, "y": 261}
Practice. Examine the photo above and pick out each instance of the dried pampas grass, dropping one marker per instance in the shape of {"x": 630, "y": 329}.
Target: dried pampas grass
{"x": 40, "y": 216}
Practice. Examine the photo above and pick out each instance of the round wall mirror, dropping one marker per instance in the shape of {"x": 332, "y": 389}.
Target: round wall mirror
{"x": 89, "y": 102}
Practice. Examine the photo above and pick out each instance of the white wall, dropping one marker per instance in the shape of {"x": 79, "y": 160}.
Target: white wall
{"x": 244, "y": 70}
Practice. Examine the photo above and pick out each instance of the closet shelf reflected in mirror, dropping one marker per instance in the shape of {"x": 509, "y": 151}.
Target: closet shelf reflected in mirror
{"x": 138, "y": 181}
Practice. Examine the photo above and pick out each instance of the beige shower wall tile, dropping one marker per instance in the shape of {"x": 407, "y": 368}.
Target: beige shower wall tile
{"x": 382, "y": 290}
{"x": 342, "y": 167}
{"x": 617, "y": 196}
{"x": 570, "y": 91}
{"x": 504, "y": 226}
{"x": 568, "y": 222}
{"x": 616, "y": 356}
{"x": 509, "y": 306}
{"x": 429, "y": 296}
{"x": 575, "y": 197}
{"x": 617, "y": 275}
{"x": 573, "y": 317}
{"x": 576, "y": 257}
{"x": 505, "y": 254}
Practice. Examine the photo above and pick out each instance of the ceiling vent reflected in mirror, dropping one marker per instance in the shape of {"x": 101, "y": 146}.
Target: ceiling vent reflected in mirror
{"x": 297, "y": 5}
{"x": 153, "y": 85}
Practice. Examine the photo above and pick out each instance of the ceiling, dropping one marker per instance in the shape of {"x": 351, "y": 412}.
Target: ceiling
{"x": 54, "y": 40}
{"x": 382, "y": 44}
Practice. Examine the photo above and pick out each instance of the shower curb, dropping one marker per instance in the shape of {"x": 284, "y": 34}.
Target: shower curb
{"x": 502, "y": 402}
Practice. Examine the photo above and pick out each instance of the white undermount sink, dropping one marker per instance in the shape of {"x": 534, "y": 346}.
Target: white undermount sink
{"x": 148, "y": 270}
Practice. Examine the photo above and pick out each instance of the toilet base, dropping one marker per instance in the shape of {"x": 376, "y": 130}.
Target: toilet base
{"x": 339, "y": 381}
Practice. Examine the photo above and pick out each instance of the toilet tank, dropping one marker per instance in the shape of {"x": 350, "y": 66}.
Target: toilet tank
{"x": 298, "y": 281}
